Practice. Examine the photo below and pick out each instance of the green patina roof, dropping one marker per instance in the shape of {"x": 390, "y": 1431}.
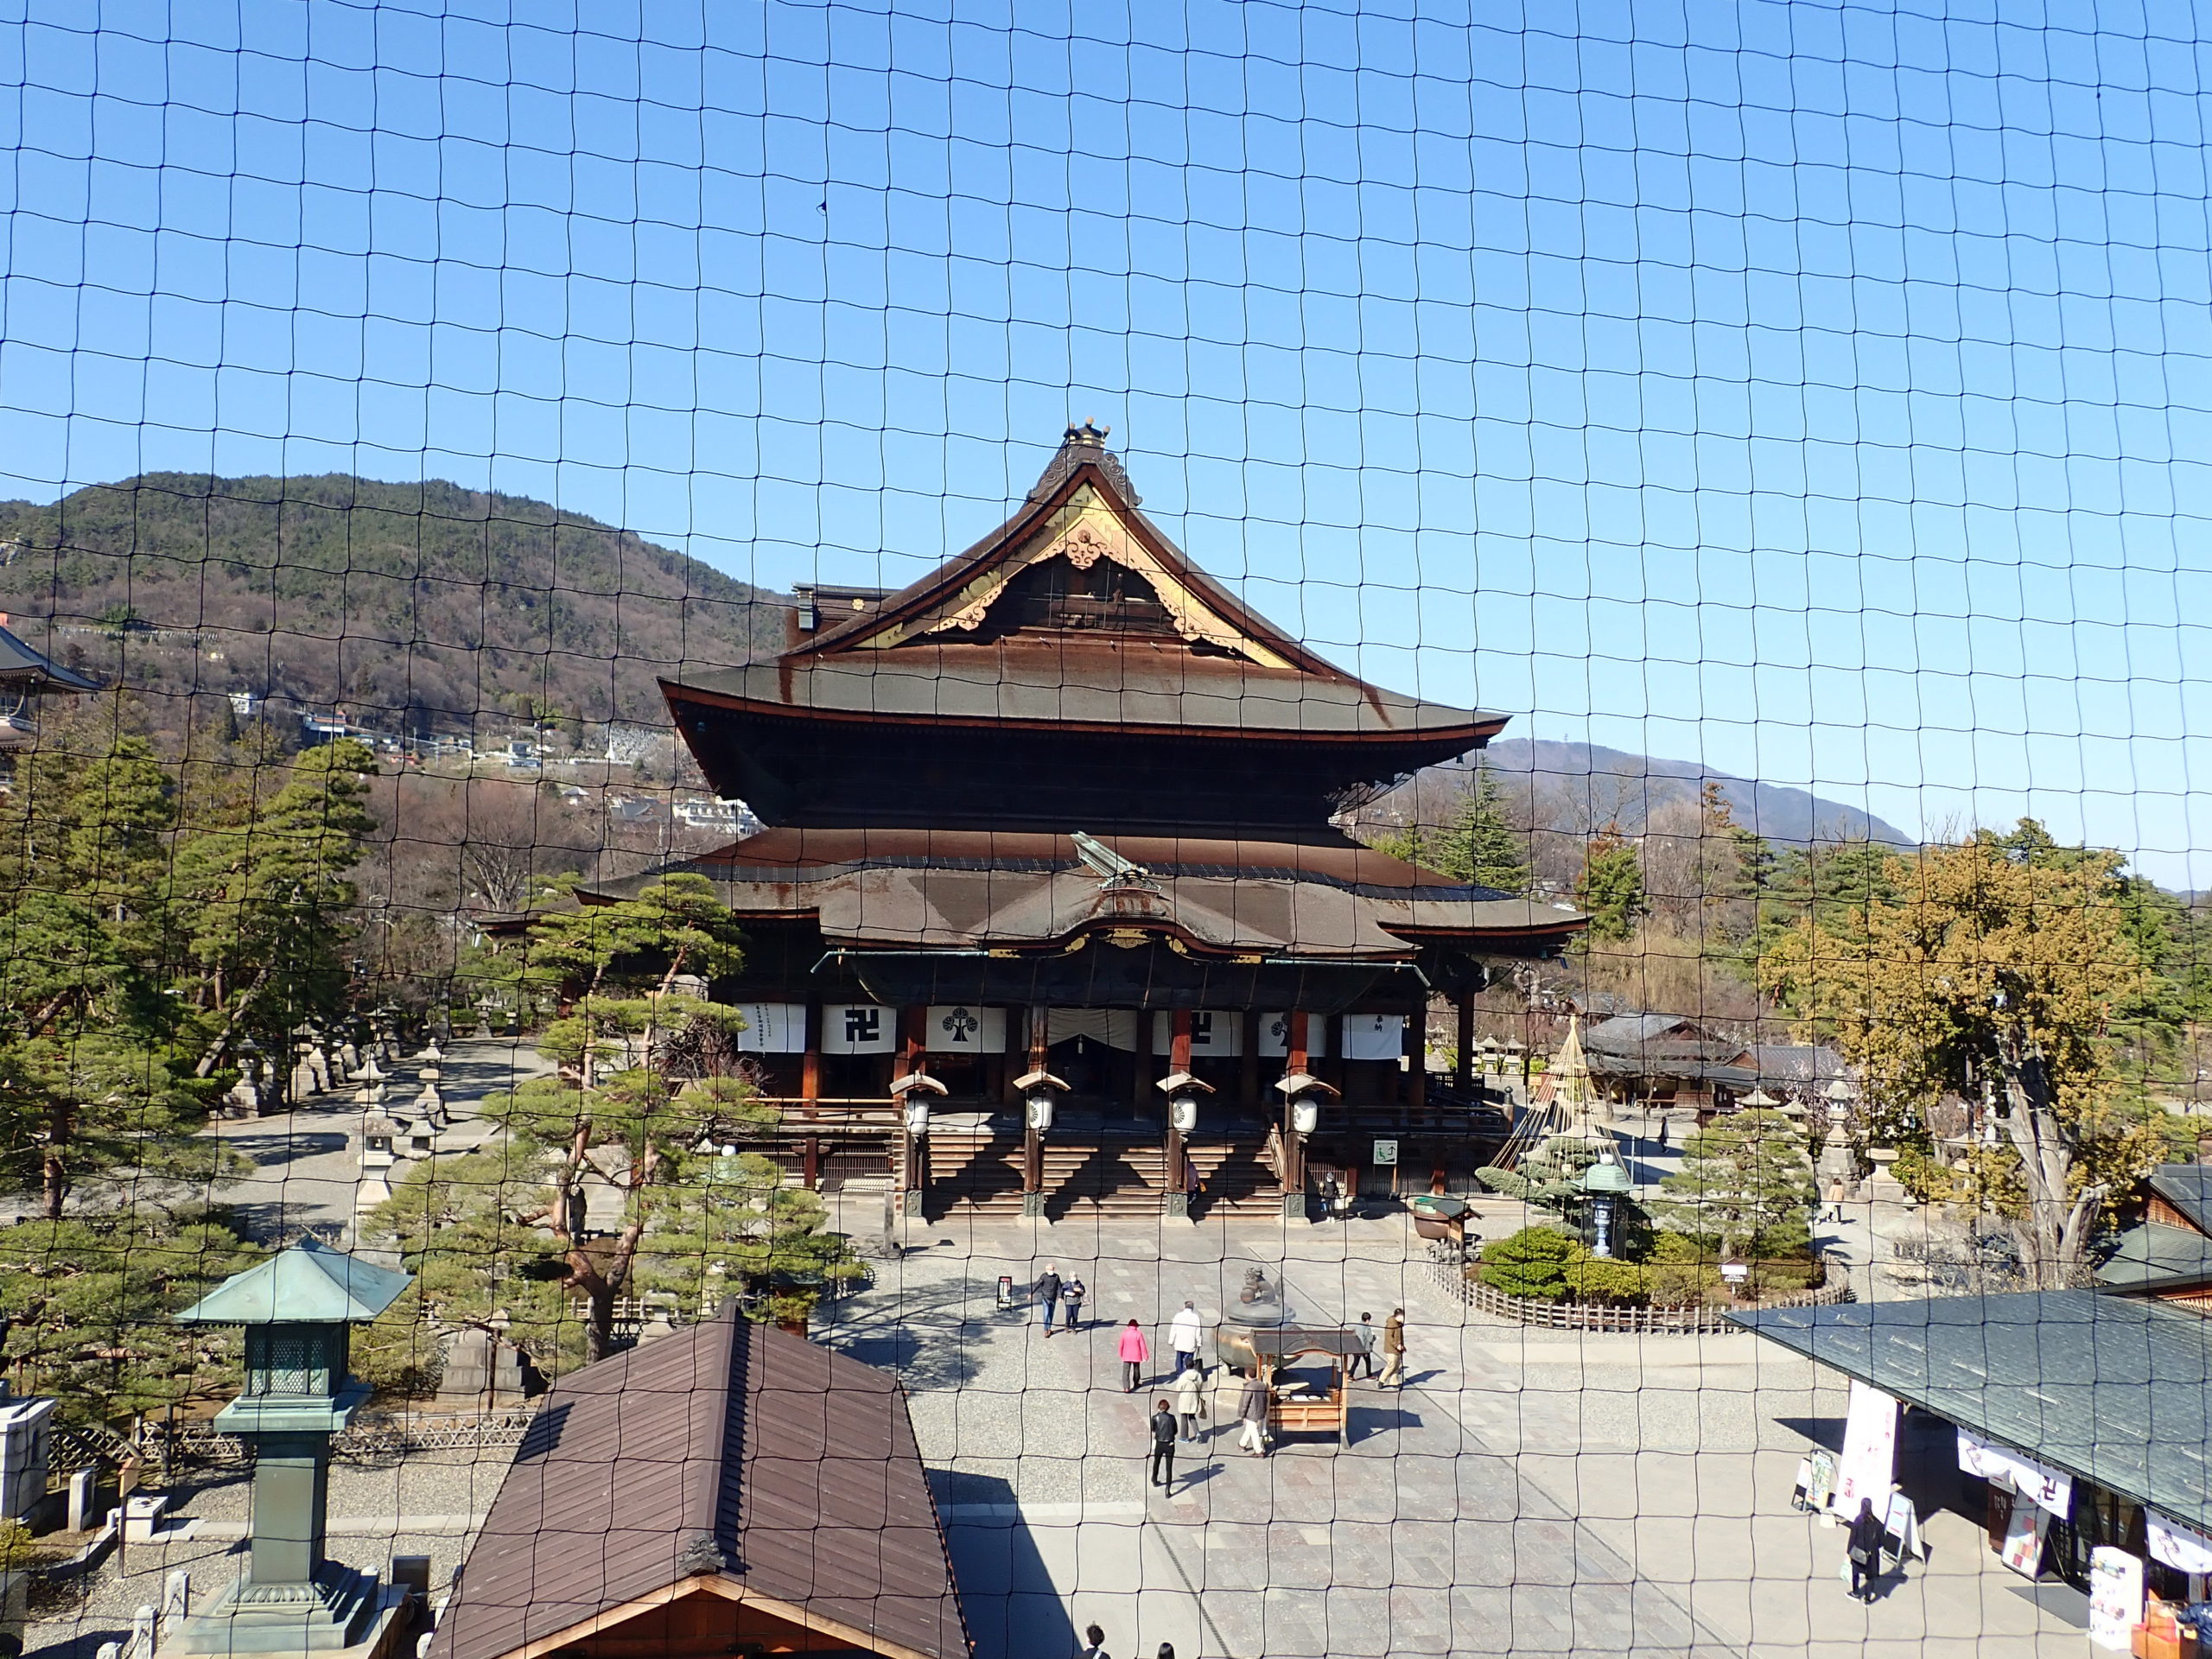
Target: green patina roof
{"x": 2155, "y": 1256}
{"x": 308, "y": 1284}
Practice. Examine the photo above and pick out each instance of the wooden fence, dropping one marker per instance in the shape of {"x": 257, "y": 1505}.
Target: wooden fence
{"x": 1450, "y": 1271}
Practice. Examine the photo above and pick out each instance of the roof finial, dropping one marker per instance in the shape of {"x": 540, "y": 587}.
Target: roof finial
{"x": 1089, "y": 432}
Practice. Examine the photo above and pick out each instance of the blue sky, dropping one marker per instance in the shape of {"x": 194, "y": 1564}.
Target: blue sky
{"x": 1817, "y": 391}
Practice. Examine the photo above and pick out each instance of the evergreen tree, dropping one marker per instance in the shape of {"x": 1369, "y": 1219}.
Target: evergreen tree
{"x": 1480, "y": 844}
{"x": 260, "y": 905}
{"x": 1746, "y": 1180}
{"x": 1611, "y": 888}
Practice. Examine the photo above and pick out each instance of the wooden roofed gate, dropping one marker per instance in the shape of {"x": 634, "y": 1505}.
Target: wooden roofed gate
{"x": 1052, "y": 908}
{"x": 730, "y": 1488}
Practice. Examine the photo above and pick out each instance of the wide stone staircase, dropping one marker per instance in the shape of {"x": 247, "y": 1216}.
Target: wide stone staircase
{"x": 979, "y": 1174}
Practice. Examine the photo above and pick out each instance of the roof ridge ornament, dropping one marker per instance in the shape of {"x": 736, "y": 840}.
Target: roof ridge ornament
{"x": 1117, "y": 874}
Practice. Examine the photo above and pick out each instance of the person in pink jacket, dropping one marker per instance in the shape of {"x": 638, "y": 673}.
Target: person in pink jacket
{"x": 1134, "y": 1352}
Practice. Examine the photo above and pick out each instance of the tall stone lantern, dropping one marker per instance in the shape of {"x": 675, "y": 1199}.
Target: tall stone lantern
{"x": 296, "y": 1308}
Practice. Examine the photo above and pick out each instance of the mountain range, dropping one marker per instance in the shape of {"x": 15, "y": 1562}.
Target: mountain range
{"x": 414, "y": 606}
{"x": 424, "y": 607}
{"x": 1578, "y": 788}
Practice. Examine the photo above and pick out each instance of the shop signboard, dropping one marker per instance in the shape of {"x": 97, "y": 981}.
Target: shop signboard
{"x": 1869, "y": 1450}
{"x": 2116, "y": 1597}
{"x": 2023, "y": 1547}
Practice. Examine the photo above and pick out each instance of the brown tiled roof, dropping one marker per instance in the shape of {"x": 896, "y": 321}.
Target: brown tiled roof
{"x": 938, "y": 889}
{"x": 729, "y": 1452}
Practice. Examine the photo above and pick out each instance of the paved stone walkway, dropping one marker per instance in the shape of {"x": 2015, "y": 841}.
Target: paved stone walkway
{"x": 1537, "y": 1492}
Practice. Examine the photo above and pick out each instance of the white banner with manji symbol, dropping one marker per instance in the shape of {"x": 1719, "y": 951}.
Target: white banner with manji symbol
{"x": 859, "y": 1028}
{"x": 1214, "y": 1035}
{"x": 1274, "y": 1035}
{"x": 965, "y": 1029}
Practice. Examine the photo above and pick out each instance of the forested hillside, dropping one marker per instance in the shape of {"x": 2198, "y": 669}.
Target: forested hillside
{"x": 420, "y": 607}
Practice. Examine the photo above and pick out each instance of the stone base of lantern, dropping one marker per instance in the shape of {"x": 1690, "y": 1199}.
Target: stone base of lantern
{"x": 345, "y": 1614}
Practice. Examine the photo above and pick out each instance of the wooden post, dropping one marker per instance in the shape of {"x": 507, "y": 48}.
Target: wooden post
{"x": 1032, "y": 1143}
{"x": 1416, "y": 1052}
{"x": 809, "y": 1089}
{"x": 1178, "y": 1059}
{"x": 1463, "y": 1064}
{"x": 1141, "y": 1089}
{"x": 1293, "y": 1144}
{"x": 914, "y": 1053}
{"x": 1250, "y": 1098}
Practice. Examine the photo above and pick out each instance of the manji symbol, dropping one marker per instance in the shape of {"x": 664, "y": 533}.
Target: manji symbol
{"x": 863, "y": 1024}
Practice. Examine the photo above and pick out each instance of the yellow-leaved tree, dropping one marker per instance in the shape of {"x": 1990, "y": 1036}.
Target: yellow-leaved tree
{"x": 1995, "y": 968}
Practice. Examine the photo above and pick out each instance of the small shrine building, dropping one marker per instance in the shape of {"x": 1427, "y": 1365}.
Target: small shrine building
{"x": 1052, "y": 907}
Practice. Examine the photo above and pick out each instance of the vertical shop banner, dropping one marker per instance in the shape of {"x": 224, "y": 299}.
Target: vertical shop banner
{"x": 2116, "y": 1597}
{"x": 1869, "y": 1450}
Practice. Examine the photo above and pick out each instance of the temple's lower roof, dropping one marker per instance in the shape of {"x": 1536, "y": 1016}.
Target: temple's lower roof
{"x": 909, "y": 889}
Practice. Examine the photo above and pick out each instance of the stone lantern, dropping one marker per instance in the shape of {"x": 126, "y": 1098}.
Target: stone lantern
{"x": 296, "y": 1307}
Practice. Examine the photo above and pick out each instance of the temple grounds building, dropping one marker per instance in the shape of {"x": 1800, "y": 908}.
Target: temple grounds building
{"x": 1052, "y": 909}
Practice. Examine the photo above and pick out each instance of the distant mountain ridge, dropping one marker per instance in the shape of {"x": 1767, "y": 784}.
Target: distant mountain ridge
{"x": 1581, "y": 787}
{"x": 419, "y": 606}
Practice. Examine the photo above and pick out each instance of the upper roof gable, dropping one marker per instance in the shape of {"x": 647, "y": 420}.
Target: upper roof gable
{"x": 1082, "y": 509}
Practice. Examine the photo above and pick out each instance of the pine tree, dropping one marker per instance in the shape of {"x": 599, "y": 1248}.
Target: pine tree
{"x": 1480, "y": 845}
{"x": 1748, "y": 1181}
{"x": 1611, "y": 888}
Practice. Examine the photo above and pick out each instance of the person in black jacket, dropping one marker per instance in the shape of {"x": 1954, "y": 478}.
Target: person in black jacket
{"x": 1865, "y": 1545}
{"x": 1163, "y": 1444}
{"x": 1047, "y": 1294}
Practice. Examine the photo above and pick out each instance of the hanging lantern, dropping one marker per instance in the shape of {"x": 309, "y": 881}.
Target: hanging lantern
{"x": 1306, "y": 1116}
{"x": 1182, "y": 1113}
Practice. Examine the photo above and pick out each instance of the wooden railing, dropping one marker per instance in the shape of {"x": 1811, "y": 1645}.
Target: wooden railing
{"x": 1451, "y": 1272}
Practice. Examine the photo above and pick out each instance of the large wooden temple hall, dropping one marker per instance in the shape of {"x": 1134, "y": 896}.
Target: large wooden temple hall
{"x": 1052, "y": 911}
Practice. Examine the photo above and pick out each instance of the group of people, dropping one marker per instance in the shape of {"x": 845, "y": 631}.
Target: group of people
{"x": 1056, "y": 1295}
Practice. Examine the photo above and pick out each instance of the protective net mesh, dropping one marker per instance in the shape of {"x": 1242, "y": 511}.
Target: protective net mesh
{"x": 1278, "y": 829}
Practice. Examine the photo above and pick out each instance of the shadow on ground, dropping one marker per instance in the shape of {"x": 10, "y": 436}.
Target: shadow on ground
{"x": 1014, "y": 1609}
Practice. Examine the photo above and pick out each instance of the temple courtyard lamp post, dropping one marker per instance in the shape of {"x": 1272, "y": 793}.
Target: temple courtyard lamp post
{"x": 296, "y": 1307}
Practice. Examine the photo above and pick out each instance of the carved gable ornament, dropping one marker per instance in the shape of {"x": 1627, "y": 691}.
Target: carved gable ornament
{"x": 1097, "y": 532}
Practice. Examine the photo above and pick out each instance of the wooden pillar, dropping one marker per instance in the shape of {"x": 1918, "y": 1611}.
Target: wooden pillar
{"x": 1416, "y": 1052}
{"x": 1248, "y": 1095}
{"x": 1178, "y": 1059}
{"x": 809, "y": 1089}
{"x": 913, "y": 1054}
{"x": 1032, "y": 1143}
{"x": 1142, "y": 1091}
{"x": 1463, "y": 1063}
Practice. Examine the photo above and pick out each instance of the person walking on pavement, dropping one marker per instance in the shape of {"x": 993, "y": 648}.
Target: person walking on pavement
{"x": 1393, "y": 1351}
{"x": 1135, "y": 1350}
{"x": 1163, "y": 1444}
{"x": 1185, "y": 1331}
{"x": 1047, "y": 1295}
{"x": 1071, "y": 1295}
{"x": 1227, "y": 1394}
{"x": 1095, "y": 1644}
{"x": 1366, "y": 1332}
{"x": 1252, "y": 1409}
{"x": 1864, "y": 1547}
{"x": 1189, "y": 1389}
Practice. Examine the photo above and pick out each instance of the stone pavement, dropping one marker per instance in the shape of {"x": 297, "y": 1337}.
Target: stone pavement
{"x": 1529, "y": 1491}
{"x": 307, "y": 1162}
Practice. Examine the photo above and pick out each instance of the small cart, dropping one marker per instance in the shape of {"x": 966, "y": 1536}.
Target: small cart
{"x": 1303, "y": 1403}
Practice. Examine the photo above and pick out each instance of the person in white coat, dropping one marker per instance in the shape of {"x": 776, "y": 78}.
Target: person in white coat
{"x": 1185, "y": 1332}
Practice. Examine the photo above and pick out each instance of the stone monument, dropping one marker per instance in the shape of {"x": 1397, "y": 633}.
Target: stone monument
{"x": 292, "y": 1598}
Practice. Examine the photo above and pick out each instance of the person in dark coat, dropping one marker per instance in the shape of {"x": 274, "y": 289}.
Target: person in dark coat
{"x": 1865, "y": 1547}
{"x": 1163, "y": 1446}
{"x": 1047, "y": 1295}
{"x": 1095, "y": 1644}
{"x": 1071, "y": 1295}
